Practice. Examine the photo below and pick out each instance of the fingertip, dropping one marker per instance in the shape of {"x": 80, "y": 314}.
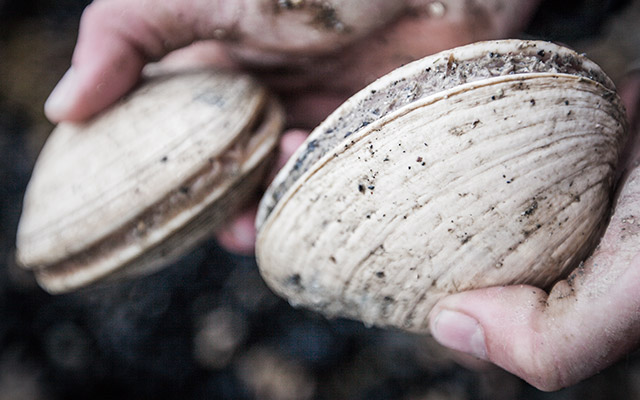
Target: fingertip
{"x": 60, "y": 103}
{"x": 291, "y": 140}
{"x": 90, "y": 86}
{"x": 289, "y": 143}
{"x": 240, "y": 235}
{"x": 107, "y": 62}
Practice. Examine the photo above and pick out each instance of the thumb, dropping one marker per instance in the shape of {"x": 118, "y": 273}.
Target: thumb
{"x": 585, "y": 323}
{"x": 115, "y": 40}
{"x": 549, "y": 341}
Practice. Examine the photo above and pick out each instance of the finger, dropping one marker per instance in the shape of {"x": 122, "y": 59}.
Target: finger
{"x": 201, "y": 54}
{"x": 240, "y": 235}
{"x": 630, "y": 94}
{"x": 587, "y": 321}
{"x": 424, "y": 28}
{"x": 289, "y": 143}
{"x": 117, "y": 38}
{"x": 291, "y": 140}
{"x": 469, "y": 361}
{"x": 550, "y": 341}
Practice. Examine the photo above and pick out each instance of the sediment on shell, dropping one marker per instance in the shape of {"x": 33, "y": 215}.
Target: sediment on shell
{"x": 421, "y": 79}
{"x": 498, "y": 181}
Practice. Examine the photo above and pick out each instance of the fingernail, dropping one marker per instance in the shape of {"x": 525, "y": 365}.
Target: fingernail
{"x": 459, "y": 332}
{"x": 61, "y": 98}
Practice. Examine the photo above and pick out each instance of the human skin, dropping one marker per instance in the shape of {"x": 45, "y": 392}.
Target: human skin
{"x": 316, "y": 54}
{"x": 586, "y": 322}
{"x": 313, "y": 58}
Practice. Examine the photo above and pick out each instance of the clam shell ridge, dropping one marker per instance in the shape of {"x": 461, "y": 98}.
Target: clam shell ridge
{"x": 128, "y": 191}
{"x": 498, "y": 180}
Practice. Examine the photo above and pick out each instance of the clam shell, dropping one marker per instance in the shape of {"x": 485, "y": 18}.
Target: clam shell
{"x": 489, "y": 164}
{"x": 143, "y": 182}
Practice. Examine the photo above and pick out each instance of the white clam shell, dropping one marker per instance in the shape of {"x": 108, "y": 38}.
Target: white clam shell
{"x": 144, "y": 181}
{"x": 502, "y": 179}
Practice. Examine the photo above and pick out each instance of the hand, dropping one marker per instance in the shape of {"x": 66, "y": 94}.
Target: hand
{"x": 311, "y": 52}
{"x": 585, "y": 323}
{"x": 314, "y": 54}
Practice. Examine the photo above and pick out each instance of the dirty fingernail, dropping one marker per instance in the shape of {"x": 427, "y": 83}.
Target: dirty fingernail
{"x": 61, "y": 98}
{"x": 459, "y": 332}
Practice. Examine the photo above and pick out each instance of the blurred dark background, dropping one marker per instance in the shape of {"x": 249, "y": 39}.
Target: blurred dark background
{"x": 207, "y": 327}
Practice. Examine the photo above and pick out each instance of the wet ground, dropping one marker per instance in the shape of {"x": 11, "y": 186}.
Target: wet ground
{"x": 207, "y": 327}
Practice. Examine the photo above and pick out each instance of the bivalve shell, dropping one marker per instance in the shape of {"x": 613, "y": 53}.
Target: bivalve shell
{"x": 128, "y": 191}
{"x": 489, "y": 164}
